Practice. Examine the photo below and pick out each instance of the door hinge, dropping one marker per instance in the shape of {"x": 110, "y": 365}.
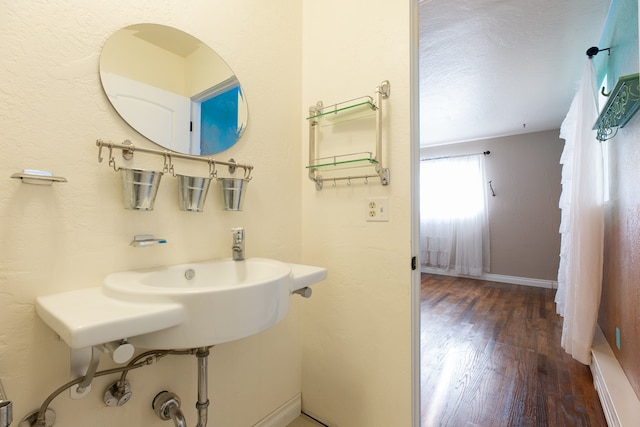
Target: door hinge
{"x": 414, "y": 263}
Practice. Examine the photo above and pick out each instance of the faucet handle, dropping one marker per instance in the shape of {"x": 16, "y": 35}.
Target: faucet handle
{"x": 238, "y": 234}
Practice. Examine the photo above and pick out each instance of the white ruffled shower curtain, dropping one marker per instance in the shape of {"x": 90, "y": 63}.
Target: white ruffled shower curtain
{"x": 582, "y": 222}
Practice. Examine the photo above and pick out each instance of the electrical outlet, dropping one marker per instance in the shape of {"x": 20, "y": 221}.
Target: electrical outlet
{"x": 378, "y": 209}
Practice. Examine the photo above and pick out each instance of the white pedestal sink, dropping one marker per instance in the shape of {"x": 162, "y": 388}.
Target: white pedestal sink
{"x": 180, "y": 306}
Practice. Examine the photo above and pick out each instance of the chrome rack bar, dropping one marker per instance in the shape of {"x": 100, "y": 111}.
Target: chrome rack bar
{"x": 320, "y": 180}
{"x": 128, "y": 149}
{"x": 313, "y": 110}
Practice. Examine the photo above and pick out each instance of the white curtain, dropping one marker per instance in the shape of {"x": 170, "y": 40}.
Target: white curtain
{"x": 582, "y": 222}
{"x": 454, "y": 228}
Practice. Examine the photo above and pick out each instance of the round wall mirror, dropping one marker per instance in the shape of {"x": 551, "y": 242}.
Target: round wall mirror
{"x": 173, "y": 89}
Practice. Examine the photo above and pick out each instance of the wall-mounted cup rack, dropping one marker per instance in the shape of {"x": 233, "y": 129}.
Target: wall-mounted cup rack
{"x": 128, "y": 149}
{"x": 140, "y": 186}
{"x": 357, "y": 108}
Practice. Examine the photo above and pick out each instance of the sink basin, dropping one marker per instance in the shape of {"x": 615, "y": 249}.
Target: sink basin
{"x": 224, "y": 300}
{"x": 181, "y": 306}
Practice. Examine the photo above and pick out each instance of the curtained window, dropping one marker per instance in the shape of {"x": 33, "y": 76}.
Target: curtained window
{"x": 454, "y": 222}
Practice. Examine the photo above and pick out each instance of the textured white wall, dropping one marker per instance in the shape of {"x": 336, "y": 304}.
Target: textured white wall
{"x": 69, "y": 236}
{"x": 357, "y": 327}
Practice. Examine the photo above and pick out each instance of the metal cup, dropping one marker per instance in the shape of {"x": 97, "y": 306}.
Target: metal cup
{"x": 233, "y": 190}
{"x": 139, "y": 188}
{"x": 192, "y": 192}
{"x": 6, "y": 409}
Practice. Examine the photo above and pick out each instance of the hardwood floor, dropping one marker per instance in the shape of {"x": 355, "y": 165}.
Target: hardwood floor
{"x": 491, "y": 356}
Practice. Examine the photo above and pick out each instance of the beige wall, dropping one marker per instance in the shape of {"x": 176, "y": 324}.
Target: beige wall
{"x": 201, "y": 77}
{"x": 69, "y": 236}
{"x": 523, "y": 216}
{"x": 160, "y": 68}
{"x": 182, "y": 75}
{"x": 356, "y": 330}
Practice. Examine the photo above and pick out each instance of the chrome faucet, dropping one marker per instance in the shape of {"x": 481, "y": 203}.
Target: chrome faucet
{"x": 238, "y": 243}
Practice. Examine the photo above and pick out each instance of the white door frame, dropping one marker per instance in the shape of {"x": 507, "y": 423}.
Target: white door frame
{"x": 414, "y": 85}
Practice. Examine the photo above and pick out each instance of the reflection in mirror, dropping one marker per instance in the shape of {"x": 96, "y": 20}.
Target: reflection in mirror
{"x": 173, "y": 89}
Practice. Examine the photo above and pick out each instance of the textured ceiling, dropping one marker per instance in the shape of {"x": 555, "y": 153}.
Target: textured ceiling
{"x": 501, "y": 67}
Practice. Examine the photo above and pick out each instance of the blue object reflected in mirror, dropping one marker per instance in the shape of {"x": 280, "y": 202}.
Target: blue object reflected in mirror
{"x": 219, "y": 124}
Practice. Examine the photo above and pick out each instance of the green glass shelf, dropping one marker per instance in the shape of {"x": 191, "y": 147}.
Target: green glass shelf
{"x": 347, "y": 110}
{"x": 336, "y": 161}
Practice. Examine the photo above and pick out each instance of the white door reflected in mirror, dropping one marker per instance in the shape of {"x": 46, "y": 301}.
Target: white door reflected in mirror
{"x": 173, "y": 89}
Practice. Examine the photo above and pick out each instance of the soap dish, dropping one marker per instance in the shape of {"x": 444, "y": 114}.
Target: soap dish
{"x": 35, "y": 177}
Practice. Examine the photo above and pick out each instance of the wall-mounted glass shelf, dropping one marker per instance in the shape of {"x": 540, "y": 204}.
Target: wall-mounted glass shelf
{"x": 344, "y": 160}
{"x": 622, "y": 104}
{"x": 363, "y": 107}
{"x": 347, "y": 110}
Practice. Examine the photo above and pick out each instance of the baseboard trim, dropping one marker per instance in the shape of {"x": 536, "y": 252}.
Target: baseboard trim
{"x": 619, "y": 401}
{"x": 514, "y": 280}
{"x": 284, "y": 415}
